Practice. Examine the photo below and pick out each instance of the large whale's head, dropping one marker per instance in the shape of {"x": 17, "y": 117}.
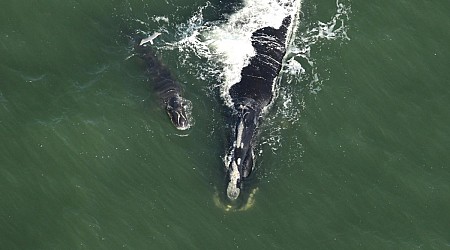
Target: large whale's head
{"x": 240, "y": 159}
{"x": 178, "y": 110}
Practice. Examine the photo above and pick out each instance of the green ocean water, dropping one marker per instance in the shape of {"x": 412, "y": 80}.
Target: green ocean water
{"x": 89, "y": 160}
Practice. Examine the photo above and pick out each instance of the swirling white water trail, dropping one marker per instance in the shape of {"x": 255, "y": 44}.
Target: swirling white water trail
{"x": 300, "y": 75}
{"x": 225, "y": 47}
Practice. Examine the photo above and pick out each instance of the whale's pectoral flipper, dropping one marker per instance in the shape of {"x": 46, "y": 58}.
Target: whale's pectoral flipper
{"x": 149, "y": 39}
{"x": 168, "y": 89}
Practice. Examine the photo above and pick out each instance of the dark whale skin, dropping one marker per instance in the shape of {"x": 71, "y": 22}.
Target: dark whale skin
{"x": 167, "y": 88}
{"x": 250, "y": 96}
{"x": 257, "y": 78}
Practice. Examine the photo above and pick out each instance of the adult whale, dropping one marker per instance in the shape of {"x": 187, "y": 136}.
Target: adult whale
{"x": 250, "y": 96}
{"x": 167, "y": 88}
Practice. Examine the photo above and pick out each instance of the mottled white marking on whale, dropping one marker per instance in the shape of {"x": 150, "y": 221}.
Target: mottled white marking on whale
{"x": 235, "y": 176}
{"x": 239, "y": 135}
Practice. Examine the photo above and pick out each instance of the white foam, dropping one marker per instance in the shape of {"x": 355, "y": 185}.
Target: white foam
{"x": 161, "y": 19}
{"x": 226, "y": 46}
{"x": 300, "y": 71}
{"x": 230, "y": 42}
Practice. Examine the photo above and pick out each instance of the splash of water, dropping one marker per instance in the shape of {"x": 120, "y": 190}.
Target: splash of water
{"x": 300, "y": 77}
{"x": 231, "y": 44}
{"x": 300, "y": 68}
{"x": 299, "y": 63}
{"x": 247, "y": 204}
{"x": 225, "y": 47}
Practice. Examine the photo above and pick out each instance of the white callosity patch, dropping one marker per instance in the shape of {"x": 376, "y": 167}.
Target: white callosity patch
{"x": 232, "y": 189}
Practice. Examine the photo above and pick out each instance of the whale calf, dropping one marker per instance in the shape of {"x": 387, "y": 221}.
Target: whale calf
{"x": 167, "y": 88}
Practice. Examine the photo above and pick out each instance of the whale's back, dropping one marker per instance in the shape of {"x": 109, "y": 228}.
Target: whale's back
{"x": 258, "y": 77}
